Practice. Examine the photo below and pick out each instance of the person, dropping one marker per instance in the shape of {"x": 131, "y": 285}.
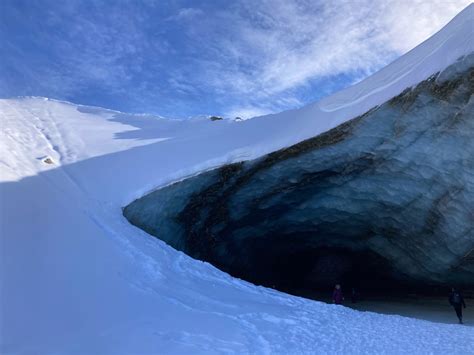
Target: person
{"x": 354, "y": 295}
{"x": 457, "y": 301}
{"x": 337, "y": 296}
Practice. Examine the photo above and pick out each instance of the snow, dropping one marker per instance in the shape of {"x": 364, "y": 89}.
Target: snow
{"x": 77, "y": 278}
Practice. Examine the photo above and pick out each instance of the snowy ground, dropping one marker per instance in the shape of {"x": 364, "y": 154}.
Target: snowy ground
{"x": 77, "y": 278}
{"x": 433, "y": 309}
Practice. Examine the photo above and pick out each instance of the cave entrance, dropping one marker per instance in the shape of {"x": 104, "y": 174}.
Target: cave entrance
{"x": 300, "y": 258}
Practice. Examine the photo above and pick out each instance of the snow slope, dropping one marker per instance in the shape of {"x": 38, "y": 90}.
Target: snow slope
{"x": 77, "y": 278}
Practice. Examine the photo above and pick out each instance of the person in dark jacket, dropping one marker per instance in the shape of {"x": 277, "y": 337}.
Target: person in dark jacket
{"x": 354, "y": 295}
{"x": 337, "y": 296}
{"x": 457, "y": 301}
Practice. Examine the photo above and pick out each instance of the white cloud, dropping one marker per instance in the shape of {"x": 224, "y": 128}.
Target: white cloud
{"x": 247, "y": 112}
{"x": 187, "y": 13}
{"x": 408, "y": 23}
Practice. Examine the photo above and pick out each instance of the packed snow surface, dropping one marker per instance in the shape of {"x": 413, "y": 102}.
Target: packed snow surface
{"x": 78, "y": 278}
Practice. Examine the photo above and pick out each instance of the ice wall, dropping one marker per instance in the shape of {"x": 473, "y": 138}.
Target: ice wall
{"x": 389, "y": 193}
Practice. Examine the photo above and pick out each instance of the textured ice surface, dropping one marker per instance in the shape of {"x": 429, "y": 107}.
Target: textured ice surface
{"x": 395, "y": 185}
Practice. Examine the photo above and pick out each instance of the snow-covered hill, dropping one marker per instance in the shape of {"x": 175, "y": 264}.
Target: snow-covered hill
{"x": 76, "y": 277}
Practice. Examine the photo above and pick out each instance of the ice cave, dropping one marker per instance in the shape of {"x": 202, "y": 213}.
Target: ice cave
{"x": 382, "y": 202}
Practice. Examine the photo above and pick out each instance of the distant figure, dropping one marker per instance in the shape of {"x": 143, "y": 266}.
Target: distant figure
{"x": 354, "y": 295}
{"x": 337, "y": 296}
{"x": 457, "y": 301}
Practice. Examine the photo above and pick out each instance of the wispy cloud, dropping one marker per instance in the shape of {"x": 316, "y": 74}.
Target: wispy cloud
{"x": 187, "y": 13}
{"x": 269, "y": 51}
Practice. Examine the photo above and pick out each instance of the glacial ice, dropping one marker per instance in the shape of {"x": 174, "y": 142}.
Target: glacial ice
{"x": 387, "y": 196}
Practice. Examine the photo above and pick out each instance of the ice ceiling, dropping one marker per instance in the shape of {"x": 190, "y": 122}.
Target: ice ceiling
{"x": 383, "y": 200}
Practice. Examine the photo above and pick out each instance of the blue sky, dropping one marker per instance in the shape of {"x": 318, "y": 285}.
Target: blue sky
{"x": 189, "y": 58}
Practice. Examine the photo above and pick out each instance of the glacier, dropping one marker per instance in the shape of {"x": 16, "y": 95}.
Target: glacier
{"x": 390, "y": 189}
{"x": 76, "y": 277}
